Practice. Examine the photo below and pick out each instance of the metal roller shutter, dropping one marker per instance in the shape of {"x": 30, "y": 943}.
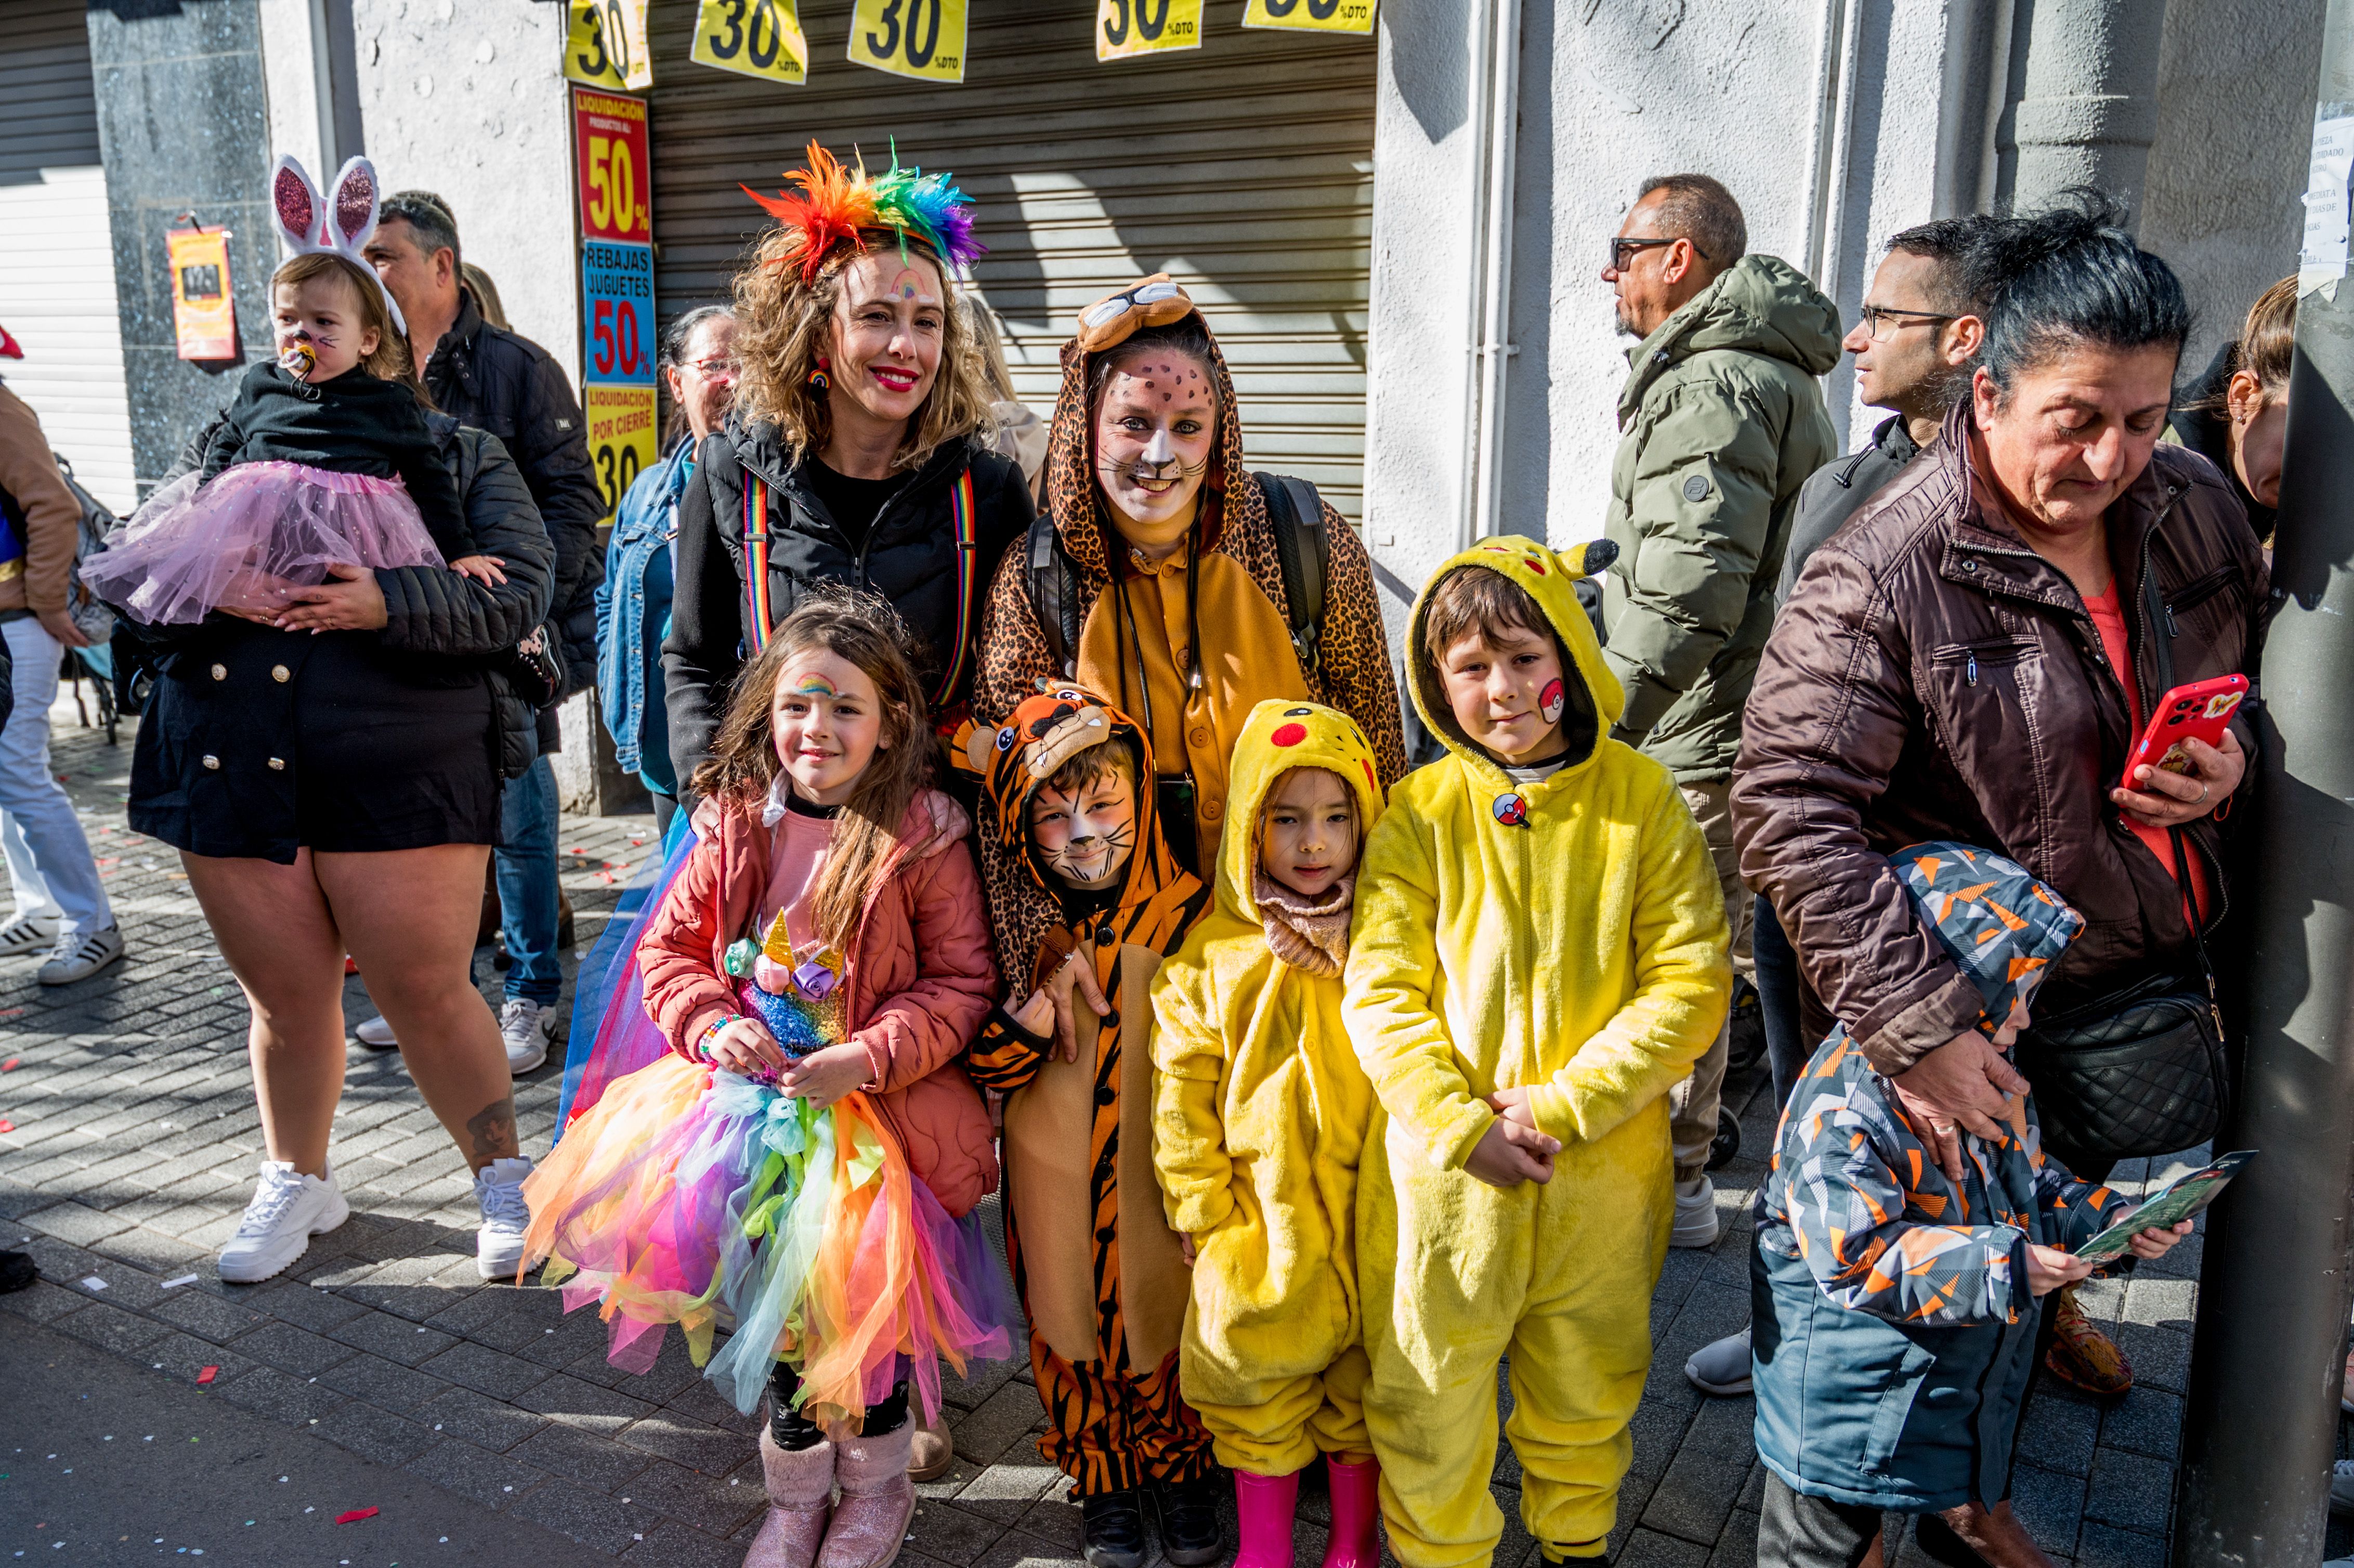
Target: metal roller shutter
{"x": 1244, "y": 168}
{"x": 57, "y": 276}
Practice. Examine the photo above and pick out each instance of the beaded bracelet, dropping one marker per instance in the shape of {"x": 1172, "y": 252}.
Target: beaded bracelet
{"x": 711, "y": 1032}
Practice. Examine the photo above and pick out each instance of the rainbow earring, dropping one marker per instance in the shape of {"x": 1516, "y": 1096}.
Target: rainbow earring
{"x": 817, "y": 377}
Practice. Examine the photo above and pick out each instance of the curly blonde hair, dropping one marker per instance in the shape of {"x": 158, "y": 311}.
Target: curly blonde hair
{"x": 783, "y": 324}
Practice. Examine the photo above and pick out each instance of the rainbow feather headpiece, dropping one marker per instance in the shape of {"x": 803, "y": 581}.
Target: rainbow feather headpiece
{"x": 837, "y": 205}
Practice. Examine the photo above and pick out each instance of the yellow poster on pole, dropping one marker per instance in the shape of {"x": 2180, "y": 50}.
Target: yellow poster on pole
{"x": 605, "y": 44}
{"x": 752, "y": 37}
{"x": 621, "y": 435}
{"x": 1311, "y": 16}
{"x": 1125, "y": 28}
{"x": 921, "y": 38}
{"x": 204, "y": 316}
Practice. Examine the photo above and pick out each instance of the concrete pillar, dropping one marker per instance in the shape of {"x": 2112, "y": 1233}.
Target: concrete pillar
{"x": 183, "y": 125}
{"x": 2084, "y": 106}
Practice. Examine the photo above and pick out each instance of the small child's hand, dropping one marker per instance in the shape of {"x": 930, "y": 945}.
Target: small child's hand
{"x": 745, "y": 1047}
{"x": 484, "y": 569}
{"x": 823, "y": 1077}
{"x": 2156, "y": 1240}
{"x": 1512, "y": 1104}
{"x": 2049, "y": 1268}
{"x": 1077, "y": 974}
{"x": 1509, "y": 1154}
{"x": 1186, "y": 1247}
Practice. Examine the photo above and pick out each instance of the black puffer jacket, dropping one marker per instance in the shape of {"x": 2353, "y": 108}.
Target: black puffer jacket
{"x": 496, "y": 381}
{"x": 909, "y": 557}
{"x": 431, "y": 611}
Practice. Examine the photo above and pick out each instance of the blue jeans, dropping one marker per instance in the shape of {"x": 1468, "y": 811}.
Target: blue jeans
{"x": 526, "y": 875}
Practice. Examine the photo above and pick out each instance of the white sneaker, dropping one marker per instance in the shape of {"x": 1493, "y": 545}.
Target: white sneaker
{"x": 287, "y": 1210}
{"x": 27, "y": 934}
{"x": 1695, "y": 1214}
{"x": 77, "y": 957}
{"x": 375, "y": 1035}
{"x": 1722, "y": 1367}
{"x": 526, "y": 1026}
{"x": 498, "y": 1191}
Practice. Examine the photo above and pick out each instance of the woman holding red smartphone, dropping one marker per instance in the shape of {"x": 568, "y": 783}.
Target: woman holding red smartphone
{"x": 1977, "y": 655}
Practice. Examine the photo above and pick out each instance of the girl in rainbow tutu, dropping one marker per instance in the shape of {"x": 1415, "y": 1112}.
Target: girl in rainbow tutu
{"x": 805, "y": 1154}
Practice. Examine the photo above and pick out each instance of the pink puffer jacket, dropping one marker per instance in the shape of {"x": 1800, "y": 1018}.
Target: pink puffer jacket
{"x": 921, "y": 980}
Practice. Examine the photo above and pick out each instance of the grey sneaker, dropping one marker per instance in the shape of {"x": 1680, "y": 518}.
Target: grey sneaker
{"x": 288, "y": 1209}
{"x": 1720, "y": 1368}
{"x": 2341, "y": 1486}
{"x": 79, "y": 958}
{"x": 27, "y": 934}
{"x": 1696, "y": 1223}
{"x": 375, "y": 1035}
{"x": 498, "y": 1191}
{"x": 526, "y": 1025}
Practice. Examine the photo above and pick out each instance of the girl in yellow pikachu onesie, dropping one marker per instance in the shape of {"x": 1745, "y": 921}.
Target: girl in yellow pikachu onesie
{"x": 1538, "y": 956}
{"x": 1259, "y": 1116}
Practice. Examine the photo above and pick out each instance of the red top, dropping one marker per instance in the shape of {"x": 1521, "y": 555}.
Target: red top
{"x": 2108, "y": 620}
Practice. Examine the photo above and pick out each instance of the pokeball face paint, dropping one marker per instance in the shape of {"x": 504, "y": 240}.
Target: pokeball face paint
{"x": 1551, "y": 700}
{"x": 1513, "y": 811}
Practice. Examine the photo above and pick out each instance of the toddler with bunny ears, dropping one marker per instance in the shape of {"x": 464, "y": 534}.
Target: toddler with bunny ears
{"x": 322, "y": 461}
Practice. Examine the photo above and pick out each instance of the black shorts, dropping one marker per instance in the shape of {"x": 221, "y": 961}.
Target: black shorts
{"x": 259, "y": 742}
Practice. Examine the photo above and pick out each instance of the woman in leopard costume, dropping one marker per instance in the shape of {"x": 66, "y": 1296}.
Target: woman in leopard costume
{"x": 1144, "y": 477}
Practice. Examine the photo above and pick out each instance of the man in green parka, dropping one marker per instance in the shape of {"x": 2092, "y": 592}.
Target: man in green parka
{"x": 1722, "y": 420}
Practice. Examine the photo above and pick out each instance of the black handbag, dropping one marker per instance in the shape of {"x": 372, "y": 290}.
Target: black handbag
{"x": 2141, "y": 1071}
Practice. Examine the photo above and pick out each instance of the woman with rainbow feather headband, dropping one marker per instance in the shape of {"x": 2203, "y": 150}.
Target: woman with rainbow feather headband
{"x": 857, "y": 450}
{"x": 804, "y": 1151}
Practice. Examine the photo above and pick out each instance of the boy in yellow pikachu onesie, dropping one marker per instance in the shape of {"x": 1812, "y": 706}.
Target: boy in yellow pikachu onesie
{"x": 1539, "y": 955}
{"x": 1259, "y": 1116}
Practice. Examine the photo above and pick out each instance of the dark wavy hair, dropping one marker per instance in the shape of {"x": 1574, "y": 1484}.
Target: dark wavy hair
{"x": 2074, "y": 275}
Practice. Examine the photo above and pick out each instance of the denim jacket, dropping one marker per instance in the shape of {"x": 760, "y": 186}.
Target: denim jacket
{"x": 632, "y": 611}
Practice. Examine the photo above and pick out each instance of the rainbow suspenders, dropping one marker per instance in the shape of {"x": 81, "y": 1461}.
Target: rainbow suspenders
{"x": 760, "y": 619}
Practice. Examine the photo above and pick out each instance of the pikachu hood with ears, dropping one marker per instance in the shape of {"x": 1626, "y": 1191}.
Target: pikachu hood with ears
{"x": 1260, "y": 1110}
{"x": 1566, "y": 938}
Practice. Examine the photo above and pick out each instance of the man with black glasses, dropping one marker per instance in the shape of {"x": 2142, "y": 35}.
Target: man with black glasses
{"x": 1723, "y": 421}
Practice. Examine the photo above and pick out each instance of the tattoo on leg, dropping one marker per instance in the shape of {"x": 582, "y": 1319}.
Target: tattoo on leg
{"x": 493, "y": 1128}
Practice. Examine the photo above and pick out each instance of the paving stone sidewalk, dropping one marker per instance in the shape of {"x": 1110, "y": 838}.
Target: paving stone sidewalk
{"x": 129, "y": 1146}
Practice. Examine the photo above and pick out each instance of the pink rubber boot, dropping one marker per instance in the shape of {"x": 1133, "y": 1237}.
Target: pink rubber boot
{"x": 1265, "y": 1506}
{"x": 1355, "y": 1508}
{"x": 877, "y": 1500}
{"x": 801, "y": 1496}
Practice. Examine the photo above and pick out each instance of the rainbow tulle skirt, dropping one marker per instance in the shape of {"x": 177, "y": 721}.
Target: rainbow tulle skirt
{"x": 693, "y": 1196}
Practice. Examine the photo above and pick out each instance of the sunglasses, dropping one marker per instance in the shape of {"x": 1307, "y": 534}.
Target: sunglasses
{"x": 1620, "y": 247}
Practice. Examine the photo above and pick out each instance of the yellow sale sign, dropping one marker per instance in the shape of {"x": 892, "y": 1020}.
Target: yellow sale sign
{"x": 1125, "y": 28}
{"x": 1311, "y": 15}
{"x": 622, "y": 437}
{"x": 204, "y": 315}
{"x": 910, "y": 38}
{"x": 605, "y": 44}
{"x": 753, "y": 37}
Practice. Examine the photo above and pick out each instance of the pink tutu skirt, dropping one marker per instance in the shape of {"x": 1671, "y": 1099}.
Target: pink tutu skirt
{"x": 252, "y": 539}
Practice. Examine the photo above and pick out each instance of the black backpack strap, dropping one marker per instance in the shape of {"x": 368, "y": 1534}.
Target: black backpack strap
{"x": 1054, "y": 596}
{"x": 1304, "y": 550}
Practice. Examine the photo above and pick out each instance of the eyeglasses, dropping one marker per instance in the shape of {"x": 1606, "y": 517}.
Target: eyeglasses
{"x": 716, "y": 368}
{"x": 1620, "y": 245}
{"x": 1882, "y": 322}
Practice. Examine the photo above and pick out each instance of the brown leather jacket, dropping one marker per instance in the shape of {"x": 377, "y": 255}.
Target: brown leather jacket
{"x": 1932, "y": 677}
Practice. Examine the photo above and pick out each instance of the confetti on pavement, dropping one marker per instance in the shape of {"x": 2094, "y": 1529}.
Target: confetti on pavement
{"x": 176, "y": 1284}
{"x": 207, "y": 1376}
{"x": 354, "y": 1515}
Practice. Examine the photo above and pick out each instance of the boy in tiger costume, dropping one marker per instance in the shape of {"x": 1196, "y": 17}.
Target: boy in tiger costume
{"x": 1102, "y": 1276}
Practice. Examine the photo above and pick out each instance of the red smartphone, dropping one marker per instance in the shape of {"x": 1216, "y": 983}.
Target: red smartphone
{"x": 2203, "y": 710}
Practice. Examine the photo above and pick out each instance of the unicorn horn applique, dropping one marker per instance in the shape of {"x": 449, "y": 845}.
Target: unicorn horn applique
{"x": 309, "y": 223}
